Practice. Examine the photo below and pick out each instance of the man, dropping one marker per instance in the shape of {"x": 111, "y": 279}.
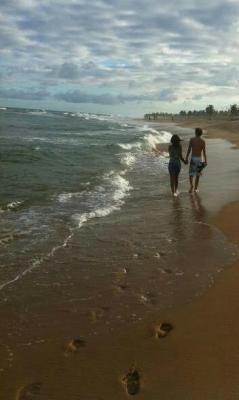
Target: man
{"x": 197, "y": 147}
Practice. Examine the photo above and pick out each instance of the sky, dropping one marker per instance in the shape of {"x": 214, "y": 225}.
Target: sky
{"x": 126, "y": 57}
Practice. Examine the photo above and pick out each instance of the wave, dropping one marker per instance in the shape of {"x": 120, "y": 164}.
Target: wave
{"x": 41, "y": 112}
{"x": 14, "y": 205}
{"x": 152, "y": 140}
{"x": 98, "y": 117}
{"x": 55, "y": 140}
{"x": 128, "y": 159}
{"x": 111, "y": 199}
{"x": 148, "y": 141}
{"x": 155, "y": 136}
{"x": 65, "y": 197}
{"x": 130, "y": 146}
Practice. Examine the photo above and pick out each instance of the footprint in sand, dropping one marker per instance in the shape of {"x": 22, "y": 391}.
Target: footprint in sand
{"x": 162, "y": 330}
{"x": 132, "y": 381}
{"x": 74, "y": 345}
{"x": 29, "y": 392}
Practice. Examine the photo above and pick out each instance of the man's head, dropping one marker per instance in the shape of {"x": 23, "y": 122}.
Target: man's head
{"x": 198, "y": 132}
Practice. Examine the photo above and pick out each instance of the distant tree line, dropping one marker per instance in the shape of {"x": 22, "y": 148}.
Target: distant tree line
{"x": 209, "y": 112}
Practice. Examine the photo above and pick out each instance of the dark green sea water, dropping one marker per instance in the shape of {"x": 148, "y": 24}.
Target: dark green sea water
{"x": 57, "y": 171}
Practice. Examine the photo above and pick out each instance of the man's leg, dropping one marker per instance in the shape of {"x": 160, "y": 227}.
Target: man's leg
{"x": 196, "y": 183}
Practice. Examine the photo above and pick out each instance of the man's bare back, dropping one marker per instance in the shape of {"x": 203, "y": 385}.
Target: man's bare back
{"x": 197, "y": 146}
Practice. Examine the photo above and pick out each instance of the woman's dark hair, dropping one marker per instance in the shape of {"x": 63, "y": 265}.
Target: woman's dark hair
{"x": 175, "y": 140}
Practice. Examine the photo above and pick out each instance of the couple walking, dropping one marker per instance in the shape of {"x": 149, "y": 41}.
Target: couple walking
{"x": 196, "y": 147}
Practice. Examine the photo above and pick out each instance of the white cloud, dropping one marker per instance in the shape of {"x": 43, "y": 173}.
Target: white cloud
{"x": 120, "y": 50}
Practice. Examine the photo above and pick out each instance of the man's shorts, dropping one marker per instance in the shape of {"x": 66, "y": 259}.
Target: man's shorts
{"x": 194, "y": 168}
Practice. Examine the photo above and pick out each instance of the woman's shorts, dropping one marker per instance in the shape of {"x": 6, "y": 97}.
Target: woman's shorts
{"x": 174, "y": 167}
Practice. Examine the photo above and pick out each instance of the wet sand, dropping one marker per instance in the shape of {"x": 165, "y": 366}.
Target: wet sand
{"x": 198, "y": 358}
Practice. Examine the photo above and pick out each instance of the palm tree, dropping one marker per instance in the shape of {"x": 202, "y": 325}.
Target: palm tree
{"x": 210, "y": 110}
{"x": 234, "y": 110}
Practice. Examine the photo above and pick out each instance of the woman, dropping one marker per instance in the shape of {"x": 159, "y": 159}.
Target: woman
{"x": 174, "y": 166}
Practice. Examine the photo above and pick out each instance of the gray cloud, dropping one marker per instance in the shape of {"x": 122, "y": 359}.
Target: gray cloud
{"x": 24, "y": 94}
{"x": 77, "y": 96}
{"x": 127, "y": 49}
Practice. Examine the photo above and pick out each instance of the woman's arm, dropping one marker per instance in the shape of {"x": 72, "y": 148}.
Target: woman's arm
{"x": 181, "y": 155}
{"x": 189, "y": 150}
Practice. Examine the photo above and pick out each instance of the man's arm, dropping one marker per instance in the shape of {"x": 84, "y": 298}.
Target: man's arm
{"x": 204, "y": 152}
{"x": 189, "y": 150}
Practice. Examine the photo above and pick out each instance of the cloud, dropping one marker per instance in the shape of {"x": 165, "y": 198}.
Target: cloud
{"x": 30, "y": 94}
{"x": 167, "y": 95}
{"x": 118, "y": 51}
{"x": 77, "y": 96}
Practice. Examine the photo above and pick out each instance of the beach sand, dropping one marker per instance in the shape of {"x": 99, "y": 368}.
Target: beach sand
{"x": 197, "y": 359}
{"x": 215, "y": 128}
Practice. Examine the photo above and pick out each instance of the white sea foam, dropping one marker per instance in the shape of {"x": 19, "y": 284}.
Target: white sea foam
{"x": 130, "y": 146}
{"x": 67, "y": 196}
{"x": 121, "y": 187}
{"x": 14, "y": 205}
{"x": 152, "y": 140}
{"x": 128, "y": 159}
{"x": 154, "y": 136}
{"x": 149, "y": 141}
{"x": 111, "y": 196}
{"x": 98, "y": 213}
{"x": 41, "y": 112}
{"x": 64, "y": 197}
{"x": 88, "y": 116}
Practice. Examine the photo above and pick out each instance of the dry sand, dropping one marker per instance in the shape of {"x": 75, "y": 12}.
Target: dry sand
{"x": 215, "y": 128}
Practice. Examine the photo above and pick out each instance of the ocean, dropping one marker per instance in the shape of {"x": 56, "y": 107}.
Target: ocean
{"x": 86, "y": 210}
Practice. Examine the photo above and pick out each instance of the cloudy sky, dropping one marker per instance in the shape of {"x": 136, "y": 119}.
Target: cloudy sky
{"x": 119, "y": 56}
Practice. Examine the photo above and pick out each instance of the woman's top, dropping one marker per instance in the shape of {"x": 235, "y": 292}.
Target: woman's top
{"x": 174, "y": 152}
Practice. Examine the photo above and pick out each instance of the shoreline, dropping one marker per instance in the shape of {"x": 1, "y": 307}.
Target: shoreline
{"x": 197, "y": 358}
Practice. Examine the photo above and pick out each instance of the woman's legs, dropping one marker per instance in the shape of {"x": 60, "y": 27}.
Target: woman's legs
{"x": 174, "y": 183}
{"x": 174, "y": 168}
{"x": 191, "y": 183}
